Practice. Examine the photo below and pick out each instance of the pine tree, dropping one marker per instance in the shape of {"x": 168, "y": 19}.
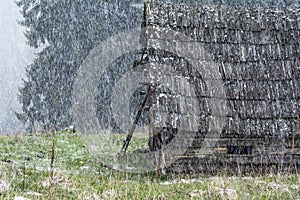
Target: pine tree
{"x": 69, "y": 29}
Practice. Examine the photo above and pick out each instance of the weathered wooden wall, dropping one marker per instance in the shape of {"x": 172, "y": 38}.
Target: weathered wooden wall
{"x": 258, "y": 57}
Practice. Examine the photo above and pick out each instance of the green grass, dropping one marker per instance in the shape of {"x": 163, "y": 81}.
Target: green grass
{"x": 25, "y": 163}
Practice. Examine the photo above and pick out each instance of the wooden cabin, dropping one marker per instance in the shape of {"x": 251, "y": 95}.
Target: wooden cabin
{"x": 254, "y": 55}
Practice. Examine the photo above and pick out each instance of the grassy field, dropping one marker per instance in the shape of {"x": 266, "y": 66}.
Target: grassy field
{"x": 30, "y": 170}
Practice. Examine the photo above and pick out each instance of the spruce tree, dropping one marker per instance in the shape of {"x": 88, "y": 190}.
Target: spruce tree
{"x": 68, "y": 30}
